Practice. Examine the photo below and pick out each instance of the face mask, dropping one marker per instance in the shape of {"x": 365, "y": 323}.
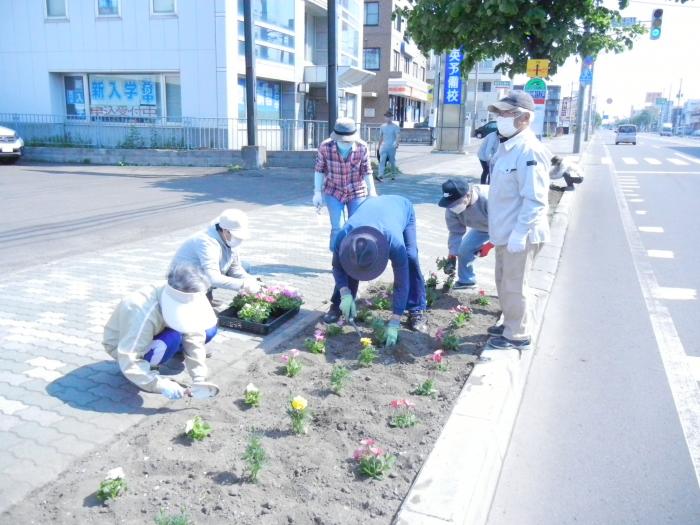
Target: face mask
{"x": 344, "y": 148}
{"x": 458, "y": 208}
{"x": 233, "y": 242}
{"x": 506, "y": 126}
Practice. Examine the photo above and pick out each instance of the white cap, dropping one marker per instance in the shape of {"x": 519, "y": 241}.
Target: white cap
{"x": 187, "y": 313}
{"x": 235, "y": 221}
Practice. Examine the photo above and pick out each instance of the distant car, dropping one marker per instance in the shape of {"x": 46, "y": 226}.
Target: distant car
{"x": 11, "y": 145}
{"x": 626, "y": 133}
{"x": 486, "y": 129}
{"x": 695, "y": 133}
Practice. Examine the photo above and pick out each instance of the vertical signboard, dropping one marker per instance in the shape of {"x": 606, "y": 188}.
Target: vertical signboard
{"x": 453, "y": 78}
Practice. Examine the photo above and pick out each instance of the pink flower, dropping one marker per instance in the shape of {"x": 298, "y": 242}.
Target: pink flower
{"x": 294, "y": 353}
{"x": 437, "y": 356}
{"x": 358, "y": 454}
{"x": 482, "y": 293}
{"x": 398, "y": 403}
{"x": 319, "y": 335}
{"x": 377, "y": 451}
{"x": 461, "y": 309}
{"x": 284, "y": 358}
{"x": 440, "y": 334}
{"x": 408, "y": 403}
{"x": 368, "y": 442}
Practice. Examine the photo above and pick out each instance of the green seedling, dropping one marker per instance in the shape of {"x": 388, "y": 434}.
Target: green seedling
{"x": 254, "y": 457}
{"x": 339, "y": 376}
{"x": 427, "y": 388}
{"x": 197, "y": 429}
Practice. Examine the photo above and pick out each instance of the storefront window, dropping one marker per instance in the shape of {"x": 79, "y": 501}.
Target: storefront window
{"x": 268, "y": 99}
{"x": 75, "y": 97}
{"x": 125, "y": 97}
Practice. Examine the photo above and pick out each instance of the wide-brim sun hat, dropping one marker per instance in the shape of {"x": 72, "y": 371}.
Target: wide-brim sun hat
{"x": 188, "y": 313}
{"x": 364, "y": 253}
{"x": 514, "y": 100}
{"x": 345, "y": 130}
{"x": 235, "y": 221}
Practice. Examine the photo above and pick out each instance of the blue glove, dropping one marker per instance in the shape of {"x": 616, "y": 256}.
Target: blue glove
{"x": 171, "y": 389}
{"x": 392, "y": 332}
{"x": 347, "y": 306}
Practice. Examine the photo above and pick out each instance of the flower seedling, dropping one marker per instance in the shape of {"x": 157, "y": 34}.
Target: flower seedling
{"x": 255, "y": 312}
{"x": 197, "y": 429}
{"x": 251, "y": 395}
{"x": 317, "y": 344}
{"x": 382, "y": 301}
{"x": 437, "y": 359}
{"x": 299, "y": 414}
{"x": 404, "y": 416}
{"x": 333, "y": 330}
{"x": 446, "y": 339}
{"x": 373, "y": 461}
{"x": 462, "y": 315}
{"x": 431, "y": 295}
{"x": 446, "y": 264}
{"x": 339, "y": 376}
{"x": 363, "y": 315}
{"x": 174, "y": 519}
{"x": 432, "y": 281}
{"x": 378, "y": 332}
{"x": 112, "y": 486}
{"x": 449, "y": 283}
{"x": 254, "y": 457}
{"x": 285, "y": 298}
{"x": 368, "y": 353}
{"x": 427, "y": 388}
{"x": 292, "y": 365}
{"x": 482, "y": 300}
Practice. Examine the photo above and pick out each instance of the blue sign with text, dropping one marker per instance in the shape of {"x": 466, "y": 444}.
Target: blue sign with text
{"x": 453, "y": 78}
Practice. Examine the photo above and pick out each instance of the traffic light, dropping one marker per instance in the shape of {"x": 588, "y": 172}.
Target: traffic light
{"x": 656, "y": 19}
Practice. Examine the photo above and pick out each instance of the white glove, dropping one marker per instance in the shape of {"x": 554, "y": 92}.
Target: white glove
{"x": 171, "y": 389}
{"x": 318, "y": 199}
{"x": 251, "y": 285}
{"x": 516, "y": 242}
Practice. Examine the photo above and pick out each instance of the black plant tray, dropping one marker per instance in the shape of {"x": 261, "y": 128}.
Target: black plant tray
{"x": 229, "y": 319}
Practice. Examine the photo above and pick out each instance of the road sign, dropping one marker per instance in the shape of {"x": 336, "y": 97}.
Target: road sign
{"x": 589, "y": 60}
{"x": 537, "y": 67}
{"x": 537, "y": 88}
{"x": 502, "y": 84}
{"x": 586, "y": 77}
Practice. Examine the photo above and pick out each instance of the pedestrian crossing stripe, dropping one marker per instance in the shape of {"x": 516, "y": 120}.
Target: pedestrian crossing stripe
{"x": 677, "y": 162}
{"x": 654, "y": 162}
{"x": 630, "y": 161}
{"x": 688, "y": 157}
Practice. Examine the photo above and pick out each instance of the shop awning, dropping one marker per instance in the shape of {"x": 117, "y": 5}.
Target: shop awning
{"x": 409, "y": 88}
{"x": 348, "y": 76}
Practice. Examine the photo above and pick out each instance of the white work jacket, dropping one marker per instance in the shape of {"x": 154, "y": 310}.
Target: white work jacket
{"x": 518, "y": 195}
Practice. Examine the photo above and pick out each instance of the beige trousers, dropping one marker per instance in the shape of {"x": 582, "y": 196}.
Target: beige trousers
{"x": 512, "y": 270}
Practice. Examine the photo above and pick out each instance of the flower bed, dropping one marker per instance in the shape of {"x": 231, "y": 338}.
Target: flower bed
{"x": 338, "y": 442}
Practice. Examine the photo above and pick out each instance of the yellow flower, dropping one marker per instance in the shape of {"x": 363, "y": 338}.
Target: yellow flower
{"x": 299, "y": 403}
{"x": 366, "y": 341}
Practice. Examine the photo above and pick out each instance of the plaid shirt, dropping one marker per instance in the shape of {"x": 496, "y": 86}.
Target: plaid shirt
{"x": 343, "y": 179}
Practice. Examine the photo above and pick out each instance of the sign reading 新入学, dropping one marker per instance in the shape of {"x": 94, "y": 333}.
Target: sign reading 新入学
{"x": 453, "y": 78}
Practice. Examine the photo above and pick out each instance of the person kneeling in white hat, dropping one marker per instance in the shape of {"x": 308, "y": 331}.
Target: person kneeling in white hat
{"x": 215, "y": 252}
{"x": 151, "y": 325}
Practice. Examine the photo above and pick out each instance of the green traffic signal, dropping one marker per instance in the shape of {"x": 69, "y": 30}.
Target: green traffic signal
{"x": 656, "y": 19}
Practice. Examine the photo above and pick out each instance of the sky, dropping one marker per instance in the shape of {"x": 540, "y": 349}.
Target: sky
{"x": 652, "y": 65}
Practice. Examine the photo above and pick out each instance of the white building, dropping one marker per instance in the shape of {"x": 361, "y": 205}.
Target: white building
{"x": 488, "y": 86}
{"x": 174, "y": 63}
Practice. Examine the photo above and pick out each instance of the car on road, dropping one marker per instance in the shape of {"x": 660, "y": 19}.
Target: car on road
{"x": 486, "y": 129}
{"x": 626, "y": 133}
{"x": 11, "y": 145}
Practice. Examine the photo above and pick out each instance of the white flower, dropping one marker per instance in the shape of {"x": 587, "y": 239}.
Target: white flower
{"x": 251, "y": 388}
{"x": 115, "y": 473}
{"x": 189, "y": 426}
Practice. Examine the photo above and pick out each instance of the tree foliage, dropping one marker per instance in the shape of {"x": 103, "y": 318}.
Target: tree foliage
{"x": 517, "y": 30}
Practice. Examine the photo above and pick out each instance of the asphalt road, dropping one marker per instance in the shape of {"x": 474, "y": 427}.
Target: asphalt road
{"x": 608, "y": 429}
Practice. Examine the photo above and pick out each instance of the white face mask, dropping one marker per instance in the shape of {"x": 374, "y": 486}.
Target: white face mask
{"x": 232, "y": 242}
{"x": 506, "y": 126}
{"x": 458, "y": 208}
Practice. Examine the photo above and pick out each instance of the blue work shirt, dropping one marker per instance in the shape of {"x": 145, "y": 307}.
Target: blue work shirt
{"x": 390, "y": 214}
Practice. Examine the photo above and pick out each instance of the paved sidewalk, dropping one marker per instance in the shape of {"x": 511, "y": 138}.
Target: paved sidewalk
{"x": 61, "y": 396}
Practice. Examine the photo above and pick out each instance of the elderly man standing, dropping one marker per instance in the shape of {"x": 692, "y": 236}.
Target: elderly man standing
{"x": 388, "y": 144}
{"x": 518, "y": 224}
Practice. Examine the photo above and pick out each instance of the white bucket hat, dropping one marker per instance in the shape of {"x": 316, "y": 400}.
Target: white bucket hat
{"x": 345, "y": 130}
{"x": 187, "y": 313}
{"x": 235, "y": 221}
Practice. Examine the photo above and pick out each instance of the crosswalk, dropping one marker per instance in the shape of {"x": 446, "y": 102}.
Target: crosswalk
{"x": 680, "y": 160}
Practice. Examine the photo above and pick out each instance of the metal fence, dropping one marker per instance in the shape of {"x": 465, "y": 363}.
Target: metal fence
{"x": 162, "y": 133}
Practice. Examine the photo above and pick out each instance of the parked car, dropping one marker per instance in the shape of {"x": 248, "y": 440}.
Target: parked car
{"x": 626, "y": 133}
{"x": 484, "y": 130}
{"x": 11, "y": 145}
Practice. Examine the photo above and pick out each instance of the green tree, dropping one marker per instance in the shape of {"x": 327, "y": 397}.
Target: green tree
{"x": 517, "y": 30}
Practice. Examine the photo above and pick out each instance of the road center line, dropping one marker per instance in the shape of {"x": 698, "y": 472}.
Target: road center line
{"x": 660, "y": 254}
{"x": 684, "y": 388}
{"x": 651, "y": 229}
{"x": 675, "y": 294}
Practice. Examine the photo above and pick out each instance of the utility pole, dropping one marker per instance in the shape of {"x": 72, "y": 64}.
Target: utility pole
{"x": 476, "y": 90}
{"x": 679, "y": 96}
{"x": 589, "y": 113}
{"x": 579, "y": 110}
{"x": 250, "y": 80}
{"x": 332, "y": 65}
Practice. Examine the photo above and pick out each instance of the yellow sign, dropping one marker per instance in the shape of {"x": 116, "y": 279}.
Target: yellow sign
{"x": 537, "y": 67}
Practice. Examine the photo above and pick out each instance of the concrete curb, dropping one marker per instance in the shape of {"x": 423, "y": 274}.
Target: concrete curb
{"x": 458, "y": 480}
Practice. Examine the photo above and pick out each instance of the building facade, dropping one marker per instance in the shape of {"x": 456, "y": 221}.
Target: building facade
{"x": 486, "y": 86}
{"x": 400, "y": 68}
{"x": 177, "y": 62}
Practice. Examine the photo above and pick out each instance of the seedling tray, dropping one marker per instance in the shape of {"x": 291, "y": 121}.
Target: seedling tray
{"x": 229, "y": 319}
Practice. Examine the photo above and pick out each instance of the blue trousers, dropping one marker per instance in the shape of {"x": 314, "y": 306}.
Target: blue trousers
{"x": 471, "y": 242}
{"x": 386, "y": 155}
{"x": 167, "y": 343}
{"x": 336, "y": 210}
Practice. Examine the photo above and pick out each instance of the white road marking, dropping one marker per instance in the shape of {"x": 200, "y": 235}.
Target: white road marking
{"x": 688, "y": 157}
{"x": 636, "y": 200}
{"x": 630, "y": 160}
{"x": 694, "y": 362}
{"x": 641, "y": 212}
{"x": 660, "y": 254}
{"x": 684, "y": 387}
{"x": 652, "y": 161}
{"x": 605, "y": 160}
{"x": 675, "y": 294}
{"x": 677, "y": 162}
{"x": 651, "y": 229}
{"x": 663, "y": 172}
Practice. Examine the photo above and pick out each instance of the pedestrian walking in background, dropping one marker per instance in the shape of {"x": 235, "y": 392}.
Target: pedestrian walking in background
{"x": 388, "y": 144}
{"x": 215, "y": 251}
{"x": 466, "y": 217}
{"x": 343, "y": 174}
{"x": 382, "y": 229}
{"x": 518, "y": 205}
{"x": 488, "y": 148}
{"x": 153, "y": 324}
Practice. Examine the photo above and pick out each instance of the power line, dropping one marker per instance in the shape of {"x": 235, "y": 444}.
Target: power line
{"x": 665, "y": 4}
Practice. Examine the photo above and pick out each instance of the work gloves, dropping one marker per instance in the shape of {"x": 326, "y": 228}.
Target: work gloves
{"x": 171, "y": 389}
{"x": 484, "y": 250}
{"x": 392, "y": 332}
{"x": 347, "y": 305}
{"x": 516, "y": 242}
{"x": 251, "y": 285}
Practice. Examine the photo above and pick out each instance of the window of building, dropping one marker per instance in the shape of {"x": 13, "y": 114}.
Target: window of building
{"x": 422, "y": 73}
{"x": 74, "y": 89}
{"x": 371, "y": 13}
{"x": 269, "y": 53}
{"x": 396, "y": 61}
{"x": 163, "y": 7}
{"x": 56, "y": 9}
{"x": 173, "y": 98}
{"x": 397, "y": 23}
{"x": 372, "y": 58}
{"x": 269, "y": 35}
{"x": 272, "y": 12}
{"x": 268, "y": 95}
{"x": 349, "y": 44}
{"x": 485, "y": 87}
{"x": 406, "y": 65}
{"x": 415, "y": 69}
{"x": 107, "y": 7}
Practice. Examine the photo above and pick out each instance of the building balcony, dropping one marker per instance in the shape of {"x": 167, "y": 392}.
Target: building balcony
{"x": 348, "y": 76}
